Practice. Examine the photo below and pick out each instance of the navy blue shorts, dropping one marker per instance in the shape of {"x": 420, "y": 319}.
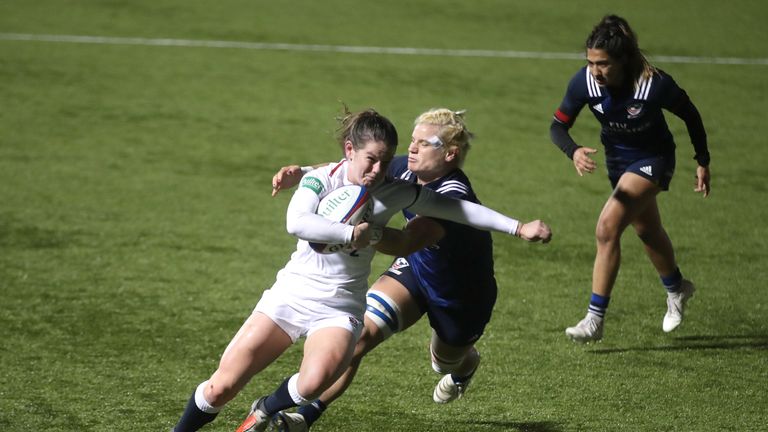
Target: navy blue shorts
{"x": 657, "y": 169}
{"x": 455, "y": 324}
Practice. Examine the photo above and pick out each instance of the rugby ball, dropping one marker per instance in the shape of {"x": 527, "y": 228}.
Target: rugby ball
{"x": 348, "y": 205}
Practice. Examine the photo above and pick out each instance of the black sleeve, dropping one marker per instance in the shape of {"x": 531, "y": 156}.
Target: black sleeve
{"x": 687, "y": 111}
{"x": 558, "y": 132}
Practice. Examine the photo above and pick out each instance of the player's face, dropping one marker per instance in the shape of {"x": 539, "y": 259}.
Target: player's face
{"x": 606, "y": 70}
{"x": 368, "y": 164}
{"x": 426, "y": 159}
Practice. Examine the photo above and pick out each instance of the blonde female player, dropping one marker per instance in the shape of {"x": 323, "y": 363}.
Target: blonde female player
{"x": 322, "y": 297}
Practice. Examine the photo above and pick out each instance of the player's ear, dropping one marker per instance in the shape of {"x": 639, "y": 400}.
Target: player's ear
{"x": 451, "y": 154}
{"x": 348, "y": 149}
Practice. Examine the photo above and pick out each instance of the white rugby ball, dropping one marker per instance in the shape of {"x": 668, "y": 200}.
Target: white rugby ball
{"x": 348, "y": 205}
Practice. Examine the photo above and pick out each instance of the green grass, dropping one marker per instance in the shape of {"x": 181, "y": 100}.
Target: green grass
{"x": 137, "y": 231}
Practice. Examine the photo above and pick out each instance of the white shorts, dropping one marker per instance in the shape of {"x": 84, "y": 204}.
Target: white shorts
{"x": 301, "y": 317}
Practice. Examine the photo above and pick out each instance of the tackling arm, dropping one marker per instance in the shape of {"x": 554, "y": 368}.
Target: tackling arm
{"x": 289, "y": 176}
{"x": 430, "y": 203}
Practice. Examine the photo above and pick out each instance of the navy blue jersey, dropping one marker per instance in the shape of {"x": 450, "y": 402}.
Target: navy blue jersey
{"x": 633, "y": 124}
{"x": 459, "y": 268}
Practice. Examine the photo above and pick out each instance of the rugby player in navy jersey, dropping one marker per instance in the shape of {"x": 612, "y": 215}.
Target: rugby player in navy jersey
{"x": 449, "y": 275}
{"x": 626, "y": 95}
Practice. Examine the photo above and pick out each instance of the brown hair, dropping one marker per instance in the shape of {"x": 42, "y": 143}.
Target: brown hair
{"x": 364, "y": 126}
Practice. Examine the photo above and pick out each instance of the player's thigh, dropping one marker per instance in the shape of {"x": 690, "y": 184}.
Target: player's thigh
{"x": 409, "y": 311}
{"x": 632, "y": 195}
{"x": 257, "y": 344}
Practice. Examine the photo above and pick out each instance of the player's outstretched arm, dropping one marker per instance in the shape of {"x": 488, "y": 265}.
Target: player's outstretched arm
{"x": 430, "y": 203}
{"x": 535, "y": 231}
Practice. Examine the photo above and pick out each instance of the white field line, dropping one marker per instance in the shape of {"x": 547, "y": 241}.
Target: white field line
{"x": 106, "y": 40}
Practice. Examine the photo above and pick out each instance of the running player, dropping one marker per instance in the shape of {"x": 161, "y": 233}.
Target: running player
{"x": 627, "y": 94}
{"x": 322, "y": 297}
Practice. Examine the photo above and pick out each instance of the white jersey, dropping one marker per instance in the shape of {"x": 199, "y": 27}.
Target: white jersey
{"x": 342, "y": 278}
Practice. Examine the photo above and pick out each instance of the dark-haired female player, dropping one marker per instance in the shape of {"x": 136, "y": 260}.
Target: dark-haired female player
{"x": 627, "y": 94}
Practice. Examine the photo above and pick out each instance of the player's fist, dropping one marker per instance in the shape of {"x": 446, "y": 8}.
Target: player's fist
{"x": 535, "y": 231}
{"x": 362, "y": 236}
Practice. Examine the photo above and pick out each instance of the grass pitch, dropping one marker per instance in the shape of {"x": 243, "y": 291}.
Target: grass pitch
{"x": 137, "y": 231}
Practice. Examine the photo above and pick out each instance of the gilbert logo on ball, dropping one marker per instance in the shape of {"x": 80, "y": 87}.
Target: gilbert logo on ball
{"x": 348, "y": 205}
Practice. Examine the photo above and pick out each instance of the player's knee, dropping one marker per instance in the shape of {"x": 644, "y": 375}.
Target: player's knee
{"x": 312, "y": 383}
{"x": 607, "y": 231}
{"x": 219, "y": 392}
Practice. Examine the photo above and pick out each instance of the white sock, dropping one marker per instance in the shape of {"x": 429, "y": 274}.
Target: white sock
{"x": 201, "y": 402}
{"x": 293, "y": 390}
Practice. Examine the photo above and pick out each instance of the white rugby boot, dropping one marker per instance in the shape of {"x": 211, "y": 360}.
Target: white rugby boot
{"x": 587, "y": 330}
{"x": 448, "y": 390}
{"x": 289, "y": 422}
{"x": 257, "y": 420}
{"x": 676, "y": 305}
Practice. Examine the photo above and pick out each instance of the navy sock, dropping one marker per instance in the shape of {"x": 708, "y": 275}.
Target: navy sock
{"x": 598, "y": 304}
{"x": 279, "y": 400}
{"x": 193, "y": 418}
{"x": 313, "y": 411}
{"x": 673, "y": 281}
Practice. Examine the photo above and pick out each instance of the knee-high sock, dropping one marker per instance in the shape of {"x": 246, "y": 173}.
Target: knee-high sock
{"x": 198, "y": 412}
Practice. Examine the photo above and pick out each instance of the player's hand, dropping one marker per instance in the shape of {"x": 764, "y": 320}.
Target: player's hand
{"x": 702, "y": 180}
{"x": 535, "y": 231}
{"x": 582, "y": 161}
{"x": 361, "y": 237}
{"x": 286, "y": 178}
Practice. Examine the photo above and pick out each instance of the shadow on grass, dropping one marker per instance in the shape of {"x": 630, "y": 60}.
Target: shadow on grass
{"x": 543, "y": 426}
{"x": 702, "y": 342}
